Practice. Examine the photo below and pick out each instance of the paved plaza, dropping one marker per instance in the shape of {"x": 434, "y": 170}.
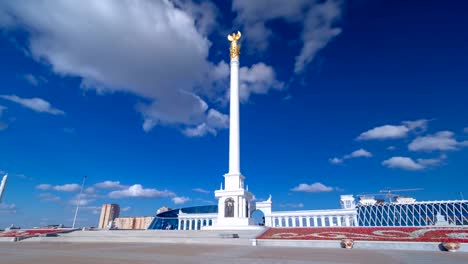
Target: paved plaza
{"x": 104, "y": 253}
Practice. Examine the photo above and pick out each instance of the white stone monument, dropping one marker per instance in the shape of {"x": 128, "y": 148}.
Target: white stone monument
{"x": 234, "y": 201}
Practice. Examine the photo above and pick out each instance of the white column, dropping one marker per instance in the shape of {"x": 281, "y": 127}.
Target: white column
{"x": 308, "y": 221}
{"x": 234, "y": 147}
{"x": 355, "y": 221}
{"x": 330, "y": 220}
{"x": 347, "y": 220}
{"x": 323, "y": 220}
{"x": 280, "y": 221}
{"x": 185, "y": 224}
{"x": 293, "y": 219}
{"x": 301, "y": 221}
{"x": 338, "y": 220}
{"x": 243, "y": 207}
{"x": 179, "y": 224}
{"x": 197, "y": 224}
{"x": 315, "y": 221}
{"x": 236, "y": 207}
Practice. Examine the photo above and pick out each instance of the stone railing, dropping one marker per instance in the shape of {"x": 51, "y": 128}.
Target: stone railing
{"x": 312, "y": 218}
{"x": 195, "y": 221}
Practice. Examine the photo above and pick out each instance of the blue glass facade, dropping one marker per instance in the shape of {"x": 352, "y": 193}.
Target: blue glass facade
{"x": 169, "y": 221}
{"x": 415, "y": 214}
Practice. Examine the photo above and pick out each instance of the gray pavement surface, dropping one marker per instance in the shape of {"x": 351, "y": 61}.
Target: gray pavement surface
{"x": 106, "y": 253}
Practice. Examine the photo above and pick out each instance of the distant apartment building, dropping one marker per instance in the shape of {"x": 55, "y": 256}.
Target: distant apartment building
{"x": 108, "y": 213}
{"x": 141, "y": 222}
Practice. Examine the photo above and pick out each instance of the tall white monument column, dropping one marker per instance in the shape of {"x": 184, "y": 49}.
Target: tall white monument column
{"x": 234, "y": 137}
{"x": 234, "y": 201}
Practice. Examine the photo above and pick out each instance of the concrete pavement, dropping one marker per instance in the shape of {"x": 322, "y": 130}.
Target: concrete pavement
{"x": 135, "y": 253}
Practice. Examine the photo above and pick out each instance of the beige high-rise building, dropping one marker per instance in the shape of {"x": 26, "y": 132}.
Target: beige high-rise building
{"x": 139, "y": 222}
{"x": 108, "y": 213}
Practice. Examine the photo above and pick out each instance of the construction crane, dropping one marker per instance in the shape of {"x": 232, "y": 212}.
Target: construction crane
{"x": 388, "y": 192}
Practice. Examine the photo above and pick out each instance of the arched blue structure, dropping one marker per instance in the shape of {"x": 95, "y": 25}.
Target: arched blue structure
{"x": 169, "y": 220}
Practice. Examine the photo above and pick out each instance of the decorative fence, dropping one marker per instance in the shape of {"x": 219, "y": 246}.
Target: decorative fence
{"x": 414, "y": 214}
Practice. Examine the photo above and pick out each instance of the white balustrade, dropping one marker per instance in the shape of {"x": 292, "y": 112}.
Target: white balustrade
{"x": 338, "y": 217}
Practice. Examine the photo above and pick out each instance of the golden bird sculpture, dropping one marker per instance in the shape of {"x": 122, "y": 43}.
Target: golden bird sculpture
{"x": 234, "y": 49}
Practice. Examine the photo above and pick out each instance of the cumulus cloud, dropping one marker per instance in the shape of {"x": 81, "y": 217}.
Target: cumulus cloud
{"x": 7, "y": 208}
{"x": 314, "y": 188}
{"x": 406, "y": 163}
{"x": 157, "y": 50}
{"x": 31, "y": 79}
{"x": 394, "y": 131}
{"x": 360, "y": 153}
{"x": 214, "y": 121}
{"x": 292, "y": 205}
{"x": 49, "y": 197}
{"x": 82, "y": 201}
{"x": 257, "y": 79}
{"x": 335, "y": 160}
{"x": 36, "y": 104}
{"x": 96, "y": 210}
{"x": 71, "y": 187}
{"x": 180, "y": 200}
{"x": 109, "y": 185}
{"x": 441, "y": 141}
{"x": 318, "y": 20}
{"x": 137, "y": 190}
{"x": 3, "y": 125}
{"x": 200, "y": 190}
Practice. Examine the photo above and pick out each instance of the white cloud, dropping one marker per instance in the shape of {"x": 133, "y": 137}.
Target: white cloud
{"x": 7, "y": 208}
{"x": 49, "y": 197}
{"x": 96, "y": 210}
{"x": 432, "y": 162}
{"x": 360, "y": 153}
{"x": 318, "y": 20}
{"x": 31, "y": 79}
{"x": 442, "y": 141}
{"x": 36, "y": 104}
{"x": 214, "y": 120}
{"x": 3, "y": 125}
{"x": 394, "y": 131}
{"x": 90, "y": 190}
{"x": 137, "y": 190}
{"x": 82, "y": 201}
{"x": 314, "y": 187}
{"x": 126, "y": 209}
{"x": 71, "y": 187}
{"x": 110, "y": 185}
{"x": 391, "y": 148}
{"x": 335, "y": 160}
{"x": 384, "y": 132}
{"x": 180, "y": 200}
{"x": 258, "y": 79}
{"x": 404, "y": 163}
{"x": 200, "y": 190}
{"x": 163, "y": 47}
{"x": 292, "y": 205}
{"x": 44, "y": 186}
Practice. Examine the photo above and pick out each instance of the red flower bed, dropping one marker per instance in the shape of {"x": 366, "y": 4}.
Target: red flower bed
{"x": 30, "y": 232}
{"x": 407, "y": 234}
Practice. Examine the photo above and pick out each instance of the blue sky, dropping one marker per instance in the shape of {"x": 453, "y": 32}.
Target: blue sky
{"x": 338, "y": 97}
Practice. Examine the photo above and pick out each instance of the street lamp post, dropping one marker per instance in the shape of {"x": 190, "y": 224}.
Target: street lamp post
{"x": 78, "y": 202}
